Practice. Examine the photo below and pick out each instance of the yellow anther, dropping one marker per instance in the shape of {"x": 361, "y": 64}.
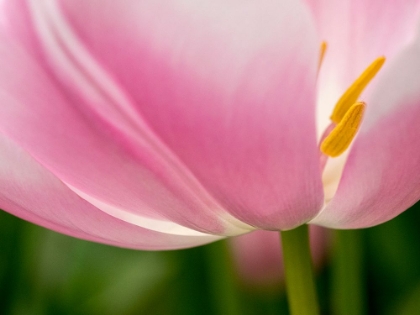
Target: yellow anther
{"x": 342, "y": 135}
{"x": 354, "y": 91}
{"x": 322, "y": 52}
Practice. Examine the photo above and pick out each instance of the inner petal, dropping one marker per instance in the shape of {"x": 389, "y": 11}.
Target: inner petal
{"x": 346, "y": 119}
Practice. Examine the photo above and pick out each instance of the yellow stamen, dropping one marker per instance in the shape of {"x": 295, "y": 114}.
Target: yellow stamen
{"x": 354, "y": 91}
{"x": 323, "y": 50}
{"x": 341, "y": 137}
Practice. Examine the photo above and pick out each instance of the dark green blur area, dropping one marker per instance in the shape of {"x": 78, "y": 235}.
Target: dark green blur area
{"x": 42, "y": 272}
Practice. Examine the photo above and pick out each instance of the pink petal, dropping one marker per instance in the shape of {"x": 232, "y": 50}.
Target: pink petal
{"x": 382, "y": 176}
{"x": 357, "y": 32}
{"x": 123, "y": 175}
{"x": 31, "y": 192}
{"x": 228, "y": 86}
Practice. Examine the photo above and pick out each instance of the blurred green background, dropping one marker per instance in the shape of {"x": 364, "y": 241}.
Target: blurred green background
{"x": 42, "y": 272}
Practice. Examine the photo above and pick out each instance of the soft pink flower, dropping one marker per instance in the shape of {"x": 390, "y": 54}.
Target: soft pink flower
{"x": 166, "y": 124}
{"x": 259, "y": 260}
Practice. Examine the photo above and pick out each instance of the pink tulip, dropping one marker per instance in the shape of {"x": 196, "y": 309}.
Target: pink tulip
{"x": 259, "y": 261}
{"x": 166, "y": 124}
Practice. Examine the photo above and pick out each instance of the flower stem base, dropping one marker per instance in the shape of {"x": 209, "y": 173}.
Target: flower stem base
{"x": 300, "y": 283}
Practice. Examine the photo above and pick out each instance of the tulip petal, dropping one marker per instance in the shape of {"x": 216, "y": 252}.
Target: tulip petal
{"x": 31, "y": 192}
{"x": 129, "y": 177}
{"x": 357, "y": 32}
{"x": 229, "y": 87}
{"x": 381, "y": 178}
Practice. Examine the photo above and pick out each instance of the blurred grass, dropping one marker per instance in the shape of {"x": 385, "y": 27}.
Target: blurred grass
{"x": 42, "y": 272}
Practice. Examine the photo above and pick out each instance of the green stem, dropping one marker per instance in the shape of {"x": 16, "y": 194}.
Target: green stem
{"x": 348, "y": 287}
{"x": 300, "y": 283}
{"x": 223, "y": 282}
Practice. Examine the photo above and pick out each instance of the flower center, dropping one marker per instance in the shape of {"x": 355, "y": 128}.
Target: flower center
{"x": 348, "y": 112}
